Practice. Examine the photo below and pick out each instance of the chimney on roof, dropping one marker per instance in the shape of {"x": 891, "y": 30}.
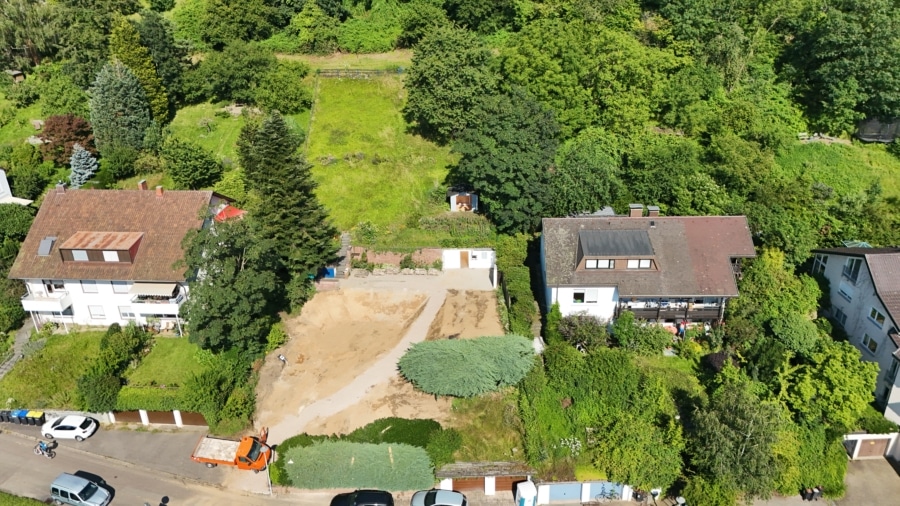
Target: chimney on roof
{"x": 652, "y": 211}
{"x": 159, "y": 191}
{"x": 635, "y": 210}
{"x": 60, "y": 187}
{"x": 142, "y": 184}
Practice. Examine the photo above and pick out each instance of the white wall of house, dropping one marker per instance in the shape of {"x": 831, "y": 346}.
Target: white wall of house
{"x": 98, "y": 303}
{"x": 598, "y": 301}
{"x": 476, "y": 258}
{"x": 852, "y": 304}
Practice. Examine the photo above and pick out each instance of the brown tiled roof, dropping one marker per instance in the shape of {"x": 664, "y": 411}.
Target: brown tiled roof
{"x": 857, "y": 252}
{"x": 163, "y": 221}
{"x": 693, "y": 254}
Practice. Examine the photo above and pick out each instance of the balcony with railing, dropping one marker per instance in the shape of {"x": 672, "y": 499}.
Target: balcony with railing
{"x": 54, "y": 302}
{"x": 671, "y": 310}
{"x": 158, "y": 304}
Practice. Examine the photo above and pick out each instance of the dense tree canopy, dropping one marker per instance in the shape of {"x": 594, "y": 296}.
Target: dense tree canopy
{"x": 120, "y": 113}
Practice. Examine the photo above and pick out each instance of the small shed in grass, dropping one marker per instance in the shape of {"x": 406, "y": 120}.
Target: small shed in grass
{"x": 462, "y": 200}
{"x": 17, "y": 75}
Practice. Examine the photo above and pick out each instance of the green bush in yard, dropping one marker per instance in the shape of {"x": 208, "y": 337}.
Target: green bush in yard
{"x": 395, "y": 430}
{"x": 340, "y": 464}
{"x": 442, "y": 445}
{"x": 149, "y": 398}
{"x": 467, "y": 367}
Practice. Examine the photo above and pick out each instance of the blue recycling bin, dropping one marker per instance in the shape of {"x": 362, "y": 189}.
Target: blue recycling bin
{"x": 18, "y": 416}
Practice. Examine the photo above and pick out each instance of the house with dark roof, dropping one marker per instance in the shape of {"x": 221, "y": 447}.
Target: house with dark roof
{"x": 96, "y": 257}
{"x": 865, "y": 302}
{"x": 661, "y": 268}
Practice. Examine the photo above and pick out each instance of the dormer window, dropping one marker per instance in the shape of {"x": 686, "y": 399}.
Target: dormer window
{"x": 599, "y": 264}
{"x": 101, "y": 247}
{"x": 640, "y": 263}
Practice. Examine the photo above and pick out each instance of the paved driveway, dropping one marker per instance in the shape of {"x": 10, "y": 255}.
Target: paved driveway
{"x": 868, "y": 483}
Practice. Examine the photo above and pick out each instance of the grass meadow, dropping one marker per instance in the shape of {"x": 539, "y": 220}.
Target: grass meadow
{"x": 369, "y": 167}
{"x": 171, "y": 362}
{"x": 847, "y": 169}
{"x": 48, "y": 377}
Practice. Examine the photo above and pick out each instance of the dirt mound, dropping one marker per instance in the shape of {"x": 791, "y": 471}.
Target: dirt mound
{"x": 337, "y": 336}
{"x": 466, "y": 314}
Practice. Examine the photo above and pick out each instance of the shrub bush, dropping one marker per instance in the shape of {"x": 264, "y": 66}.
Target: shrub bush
{"x": 277, "y": 336}
{"x": 468, "y": 367}
{"x": 699, "y": 490}
{"x": 396, "y": 430}
{"x": 340, "y": 464}
{"x": 874, "y": 422}
{"x": 442, "y": 446}
{"x": 149, "y": 398}
{"x": 584, "y": 329}
{"x": 98, "y": 390}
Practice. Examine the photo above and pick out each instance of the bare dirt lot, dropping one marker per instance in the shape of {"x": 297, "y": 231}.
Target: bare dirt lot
{"x": 337, "y": 335}
{"x": 340, "y": 335}
{"x": 466, "y": 314}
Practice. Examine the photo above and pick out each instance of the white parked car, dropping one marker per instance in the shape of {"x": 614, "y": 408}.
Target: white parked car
{"x": 438, "y": 498}
{"x": 74, "y": 427}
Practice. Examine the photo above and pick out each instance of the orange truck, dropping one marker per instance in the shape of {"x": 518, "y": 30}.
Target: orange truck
{"x": 250, "y": 452}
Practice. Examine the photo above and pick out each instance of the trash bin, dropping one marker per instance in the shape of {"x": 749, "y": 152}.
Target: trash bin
{"x": 35, "y": 417}
{"x": 18, "y": 416}
{"x": 526, "y": 493}
{"x": 4, "y": 415}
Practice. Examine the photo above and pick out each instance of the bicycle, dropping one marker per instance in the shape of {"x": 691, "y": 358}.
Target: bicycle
{"x": 606, "y": 496}
{"x": 44, "y": 449}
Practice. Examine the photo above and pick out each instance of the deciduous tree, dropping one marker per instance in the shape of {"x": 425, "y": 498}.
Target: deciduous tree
{"x": 449, "y": 74}
{"x": 586, "y": 174}
{"x": 506, "y": 153}
{"x": 234, "y": 73}
{"x": 282, "y": 89}
{"x": 190, "y": 166}
{"x": 235, "y": 293}
{"x": 63, "y": 132}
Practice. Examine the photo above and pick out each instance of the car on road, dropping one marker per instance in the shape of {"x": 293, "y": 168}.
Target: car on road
{"x": 438, "y": 498}
{"x": 77, "y": 491}
{"x": 74, "y": 427}
{"x": 364, "y": 498}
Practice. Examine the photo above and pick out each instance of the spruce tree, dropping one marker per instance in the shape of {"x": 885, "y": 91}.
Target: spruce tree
{"x": 286, "y": 207}
{"x": 83, "y": 165}
{"x": 119, "y": 111}
{"x": 125, "y": 45}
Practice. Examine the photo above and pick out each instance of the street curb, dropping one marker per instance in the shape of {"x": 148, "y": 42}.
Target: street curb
{"x": 125, "y": 463}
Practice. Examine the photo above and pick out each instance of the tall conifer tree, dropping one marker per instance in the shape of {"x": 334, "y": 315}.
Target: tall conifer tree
{"x": 83, "y": 165}
{"x": 125, "y": 45}
{"x": 286, "y": 206}
{"x": 119, "y": 111}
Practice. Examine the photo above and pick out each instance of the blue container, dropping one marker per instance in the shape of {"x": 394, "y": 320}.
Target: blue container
{"x": 329, "y": 272}
{"x": 18, "y": 416}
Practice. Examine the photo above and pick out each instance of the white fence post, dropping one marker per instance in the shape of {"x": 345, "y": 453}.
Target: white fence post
{"x": 177, "y": 415}
{"x": 144, "y": 418}
{"x": 490, "y": 485}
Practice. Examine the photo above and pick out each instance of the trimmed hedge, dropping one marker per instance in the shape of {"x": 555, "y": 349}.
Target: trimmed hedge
{"x": 467, "y": 367}
{"x": 149, "y": 398}
{"x": 340, "y": 464}
{"x": 395, "y": 430}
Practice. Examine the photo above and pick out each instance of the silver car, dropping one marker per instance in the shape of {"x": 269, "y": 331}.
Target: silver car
{"x": 438, "y": 498}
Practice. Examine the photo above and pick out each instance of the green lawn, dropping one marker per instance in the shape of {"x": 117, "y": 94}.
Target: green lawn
{"x": 489, "y": 426}
{"x": 369, "y": 168}
{"x": 847, "y": 169}
{"x": 171, "y": 362}
{"x": 12, "y": 500}
{"x": 19, "y": 128}
{"x": 48, "y": 377}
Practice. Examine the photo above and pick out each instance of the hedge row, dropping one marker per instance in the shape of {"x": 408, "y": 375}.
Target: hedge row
{"x": 149, "y": 398}
{"x": 341, "y": 464}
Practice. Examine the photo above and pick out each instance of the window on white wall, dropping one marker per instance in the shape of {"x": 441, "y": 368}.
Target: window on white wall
{"x": 591, "y": 296}
{"x": 846, "y": 290}
{"x": 88, "y": 286}
{"x": 840, "y": 316}
{"x": 876, "y": 317}
{"x": 120, "y": 286}
{"x": 97, "y": 312}
{"x": 819, "y": 263}
{"x": 578, "y": 297}
{"x": 892, "y": 373}
{"x": 869, "y": 343}
{"x": 125, "y": 312}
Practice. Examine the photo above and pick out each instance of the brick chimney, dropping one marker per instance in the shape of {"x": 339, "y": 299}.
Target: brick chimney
{"x": 142, "y": 185}
{"x": 652, "y": 211}
{"x": 159, "y": 191}
{"x": 60, "y": 187}
{"x": 635, "y": 210}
